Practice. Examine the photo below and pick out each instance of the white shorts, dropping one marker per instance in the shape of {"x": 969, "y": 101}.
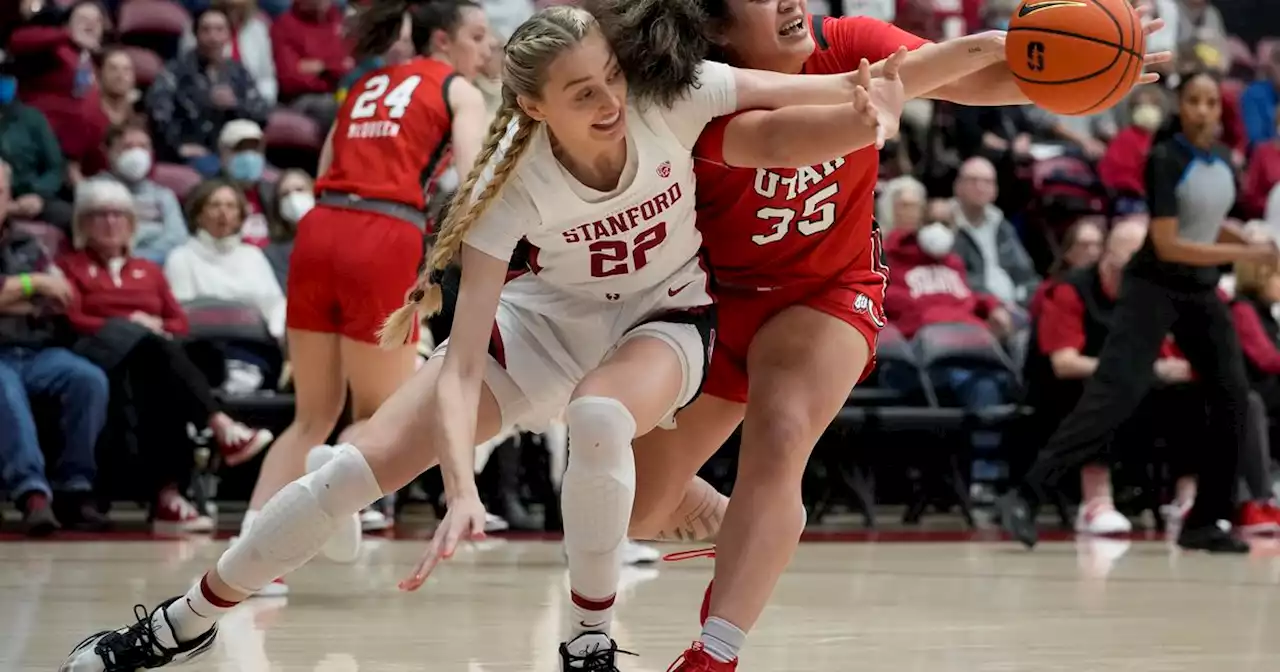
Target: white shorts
{"x": 546, "y": 340}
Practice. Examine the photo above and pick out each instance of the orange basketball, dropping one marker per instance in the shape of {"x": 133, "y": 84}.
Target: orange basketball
{"x": 1075, "y": 57}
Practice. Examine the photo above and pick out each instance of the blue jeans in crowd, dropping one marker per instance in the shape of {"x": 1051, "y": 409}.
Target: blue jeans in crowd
{"x": 81, "y": 391}
{"x": 968, "y": 388}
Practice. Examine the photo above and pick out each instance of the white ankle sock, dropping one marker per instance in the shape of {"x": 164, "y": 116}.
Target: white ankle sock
{"x": 192, "y": 614}
{"x": 596, "y": 498}
{"x": 295, "y": 523}
{"x": 721, "y": 639}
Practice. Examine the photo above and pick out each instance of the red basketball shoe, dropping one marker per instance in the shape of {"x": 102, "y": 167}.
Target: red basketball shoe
{"x": 695, "y": 659}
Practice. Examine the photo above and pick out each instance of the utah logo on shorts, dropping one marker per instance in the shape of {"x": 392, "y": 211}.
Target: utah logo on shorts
{"x": 862, "y": 304}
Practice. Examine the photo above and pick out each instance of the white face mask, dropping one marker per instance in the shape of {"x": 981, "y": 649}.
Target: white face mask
{"x": 222, "y": 245}
{"x": 132, "y": 165}
{"x": 294, "y": 206}
{"x": 1148, "y": 117}
{"x": 936, "y": 239}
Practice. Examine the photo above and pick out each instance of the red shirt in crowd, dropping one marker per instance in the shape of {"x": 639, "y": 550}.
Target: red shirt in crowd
{"x": 298, "y": 35}
{"x": 1061, "y": 324}
{"x": 925, "y": 290}
{"x": 57, "y": 77}
{"x": 105, "y": 290}
{"x": 1259, "y": 348}
{"x": 1122, "y": 166}
{"x": 1263, "y": 175}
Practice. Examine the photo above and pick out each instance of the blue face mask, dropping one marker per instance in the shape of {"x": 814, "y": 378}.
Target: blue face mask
{"x": 8, "y": 89}
{"x": 246, "y": 166}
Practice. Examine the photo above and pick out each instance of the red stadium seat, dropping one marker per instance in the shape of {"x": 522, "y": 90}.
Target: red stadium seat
{"x": 157, "y": 25}
{"x": 181, "y": 179}
{"x": 292, "y": 130}
{"x": 147, "y": 65}
{"x": 54, "y": 240}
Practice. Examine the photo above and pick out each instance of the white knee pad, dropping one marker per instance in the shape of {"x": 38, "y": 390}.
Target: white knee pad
{"x": 600, "y": 483}
{"x": 600, "y": 433}
{"x": 295, "y": 524}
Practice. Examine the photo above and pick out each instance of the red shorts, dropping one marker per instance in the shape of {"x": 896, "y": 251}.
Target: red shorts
{"x": 857, "y": 297}
{"x": 349, "y": 270}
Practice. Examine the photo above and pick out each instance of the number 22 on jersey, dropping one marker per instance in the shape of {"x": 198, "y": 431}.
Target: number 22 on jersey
{"x": 818, "y": 212}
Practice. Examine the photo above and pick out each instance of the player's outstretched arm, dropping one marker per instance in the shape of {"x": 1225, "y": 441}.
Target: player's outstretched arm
{"x": 804, "y": 135}
{"x": 937, "y": 67}
{"x": 458, "y": 391}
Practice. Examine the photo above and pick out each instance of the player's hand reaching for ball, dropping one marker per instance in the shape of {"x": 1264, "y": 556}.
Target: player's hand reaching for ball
{"x": 1151, "y": 26}
{"x": 463, "y": 522}
{"x": 885, "y": 96}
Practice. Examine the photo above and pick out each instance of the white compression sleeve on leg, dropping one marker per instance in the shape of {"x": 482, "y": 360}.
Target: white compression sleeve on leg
{"x": 295, "y": 523}
{"x": 556, "y": 439}
{"x": 596, "y": 498}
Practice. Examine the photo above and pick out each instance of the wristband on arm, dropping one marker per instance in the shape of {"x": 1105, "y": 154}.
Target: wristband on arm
{"x": 28, "y": 287}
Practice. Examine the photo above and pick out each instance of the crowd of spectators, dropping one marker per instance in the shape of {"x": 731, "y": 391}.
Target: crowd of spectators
{"x": 157, "y": 155}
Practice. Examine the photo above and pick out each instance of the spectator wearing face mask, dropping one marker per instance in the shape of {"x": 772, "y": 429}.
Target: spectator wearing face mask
{"x": 1122, "y": 166}
{"x": 200, "y": 92}
{"x": 217, "y": 263}
{"x": 240, "y": 148}
{"x": 296, "y": 197}
{"x": 929, "y": 286}
{"x": 160, "y": 226}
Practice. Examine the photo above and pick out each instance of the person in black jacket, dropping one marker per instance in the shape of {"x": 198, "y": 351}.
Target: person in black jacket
{"x": 1170, "y": 286}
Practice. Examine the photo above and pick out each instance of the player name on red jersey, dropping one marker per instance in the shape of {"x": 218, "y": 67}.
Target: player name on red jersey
{"x": 626, "y": 220}
{"x": 373, "y": 129}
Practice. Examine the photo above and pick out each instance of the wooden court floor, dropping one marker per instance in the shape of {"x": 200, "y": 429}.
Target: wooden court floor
{"x": 843, "y": 607}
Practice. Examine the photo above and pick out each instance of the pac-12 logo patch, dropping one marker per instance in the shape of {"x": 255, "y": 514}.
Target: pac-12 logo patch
{"x": 664, "y": 169}
{"x": 862, "y": 304}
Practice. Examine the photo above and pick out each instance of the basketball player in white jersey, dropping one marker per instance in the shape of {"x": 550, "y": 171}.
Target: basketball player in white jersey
{"x": 613, "y": 327}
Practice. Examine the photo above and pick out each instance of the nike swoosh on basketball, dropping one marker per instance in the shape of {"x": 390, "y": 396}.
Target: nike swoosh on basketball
{"x": 677, "y": 290}
{"x": 1033, "y": 7}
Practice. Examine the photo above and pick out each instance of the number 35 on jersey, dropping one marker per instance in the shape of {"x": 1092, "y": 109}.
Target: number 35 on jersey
{"x": 816, "y": 211}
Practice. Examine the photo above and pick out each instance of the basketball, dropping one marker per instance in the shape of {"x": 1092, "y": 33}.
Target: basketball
{"x": 1075, "y": 57}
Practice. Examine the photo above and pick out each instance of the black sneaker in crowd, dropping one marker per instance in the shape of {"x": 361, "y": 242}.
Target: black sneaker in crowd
{"x": 79, "y": 511}
{"x": 136, "y": 647}
{"x": 1017, "y": 518}
{"x": 1215, "y": 538}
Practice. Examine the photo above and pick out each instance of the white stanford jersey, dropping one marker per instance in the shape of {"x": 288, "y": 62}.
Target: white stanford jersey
{"x": 618, "y": 244}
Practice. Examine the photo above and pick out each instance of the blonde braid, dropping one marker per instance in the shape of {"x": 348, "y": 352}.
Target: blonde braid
{"x": 464, "y": 211}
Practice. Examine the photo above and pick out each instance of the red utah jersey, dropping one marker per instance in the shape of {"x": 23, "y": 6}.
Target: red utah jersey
{"x": 392, "y": 137}
{"x": 762, "y": 227}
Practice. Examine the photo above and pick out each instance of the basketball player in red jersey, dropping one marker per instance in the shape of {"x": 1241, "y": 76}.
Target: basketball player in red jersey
{"x": 800, "y": 287}
{"x": 357, "y": 252}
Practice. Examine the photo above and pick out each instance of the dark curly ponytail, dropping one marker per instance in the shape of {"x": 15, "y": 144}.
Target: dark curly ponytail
{"x": 659, "y": 43}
